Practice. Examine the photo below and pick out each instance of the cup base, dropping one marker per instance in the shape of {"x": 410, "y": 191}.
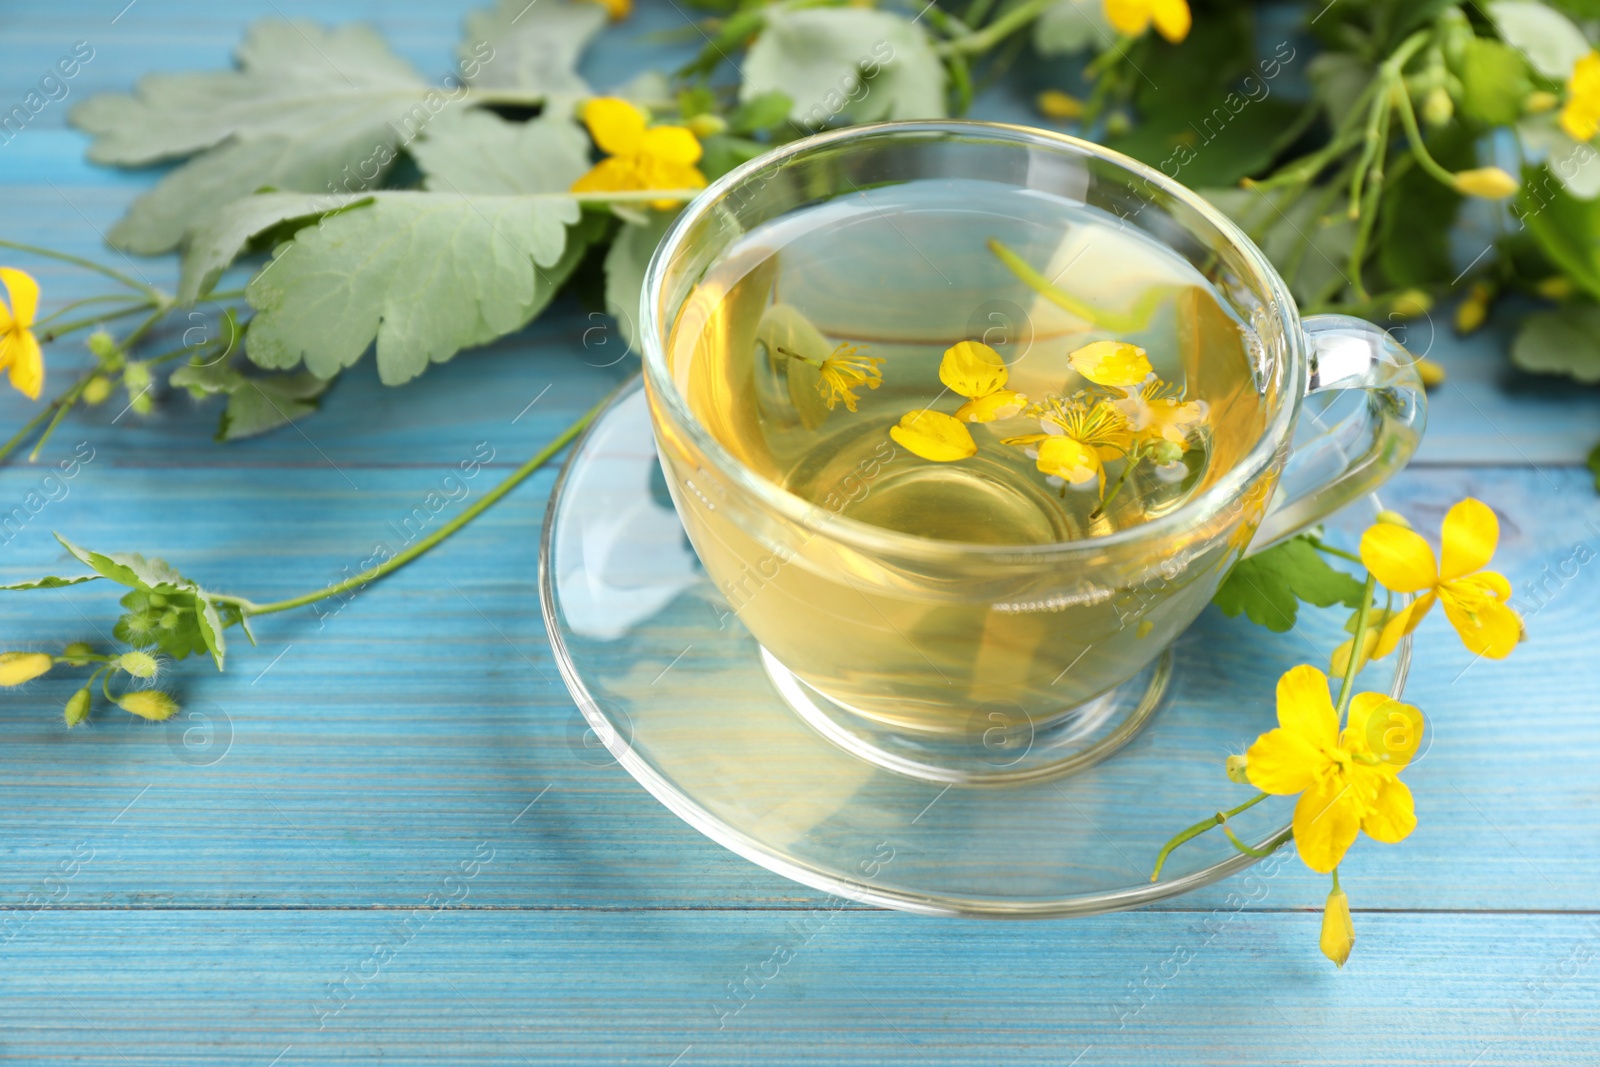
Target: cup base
{"x": 1000, "y": 746}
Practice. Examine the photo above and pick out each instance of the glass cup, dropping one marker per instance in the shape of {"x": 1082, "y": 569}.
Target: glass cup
{"x": 979, "y": 662}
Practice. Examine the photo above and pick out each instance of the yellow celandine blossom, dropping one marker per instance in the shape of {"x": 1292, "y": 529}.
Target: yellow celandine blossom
{"x": 1112, "y": 363}
{"x": 1348, "y": 780}
{"x": 933, "y": 435}
{"x": 1580, "y": 116}
{"x": 640, "y": 156}
{"x": 1079, "y": 437}
{"x": 976, "y": 371}
{"x": 1133, "y": 17}
{"x": 1156, "y": 413}
{"x": 1475, "y": 599}
{"x": 843, "y": 371}
{"x": 19, "y": 349}
{"x": 19, "y": 667}
{"x": 1338, "y": 932}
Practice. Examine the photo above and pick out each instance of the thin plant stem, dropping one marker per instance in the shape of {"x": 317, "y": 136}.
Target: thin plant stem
{"x": 980, "y": 41}
{"x": 1358, "y": 647}
{"x": 69, "y": 398}
{"x": 143, "y": 328}
{"x": 1199, "y": 828}
{"x": 1322, "y": 546}
{"x": 1105, "y": 502}
{"x": 65, "y": 328}
{"x": 372, "y": 574}
{"x": 149, "y": 290}
{"x": 28, "y": 427}
{"x": 139, "y": 301}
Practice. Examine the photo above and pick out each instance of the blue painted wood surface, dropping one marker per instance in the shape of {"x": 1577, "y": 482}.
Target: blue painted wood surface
{"x": 340, "y": 773}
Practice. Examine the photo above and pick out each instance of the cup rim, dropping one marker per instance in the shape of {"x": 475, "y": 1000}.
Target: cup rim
{"x": 1210, "y": 501}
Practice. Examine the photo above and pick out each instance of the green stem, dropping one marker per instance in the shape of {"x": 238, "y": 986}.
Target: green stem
{"x": 372, "y": 574}
{"x": 1258, "y": 853}
{"x": 1105, "y": 502}
{"x": 1368, "y": 211}
{"x": 156, "y": 295}
{"x": 977, "y": 11}
{"x": 980, "y": 41}
{"x": 1408, "y": 119}
{"x": 1322, "y": 546}
{"x": 1199, "y": 828}
{"x": 144, "y": 327}
{"x": 138, "y": 301}
{"x": 1118, "y": 323}
{"x": 28, "y": 427}
{"x": 1358, "y": 646}
{"x": 96, "y": 320}
{"x": 1336, "y": 879}
{"x": 63, "y": 405}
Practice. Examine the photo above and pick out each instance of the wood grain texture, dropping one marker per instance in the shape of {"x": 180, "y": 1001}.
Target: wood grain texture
{"x": 345, "y": 769}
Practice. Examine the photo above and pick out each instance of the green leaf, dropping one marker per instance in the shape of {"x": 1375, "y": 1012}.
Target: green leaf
{"x": 1268, "y": 586}
{"x": 217, "y": 242}
{"x": 52, "y": 582}
{"x": 529, "y": 47}
{"x": 305, "y": 104}
{"x": 425, "y": 274}
{"x": 1548, "y": 38}
{"x": 1071, "y": 26}
{"x": 1339, "y": 79}
{"x": 760, "y": 112}
{"x": 1564, "y": 341}
{"x": 625, "y": 264}
{"x": 256, "y": 403}
{"x": 164, "y": 607}
{"x": 479, "y": 152}
{"x": 130, "y": 569}
{"x": 1567, "y": 229}
{"x": 1494, "y": 82}
{"x": 1418, "y": 213}
{"x": 845, "y": 64}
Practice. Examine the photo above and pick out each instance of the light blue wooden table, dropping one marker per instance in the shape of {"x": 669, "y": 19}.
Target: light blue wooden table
{"x": 357, "y": 762}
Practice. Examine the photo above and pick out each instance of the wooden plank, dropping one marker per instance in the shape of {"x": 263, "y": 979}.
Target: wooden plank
{"x": 370, "y": 747}
{"x": 418, "y": 986}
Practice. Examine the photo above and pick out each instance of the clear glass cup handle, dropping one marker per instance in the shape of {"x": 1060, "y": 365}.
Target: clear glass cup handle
{"x": 1362, "y": 450}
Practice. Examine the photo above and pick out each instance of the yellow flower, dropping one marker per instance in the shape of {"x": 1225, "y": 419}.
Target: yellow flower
{"x": 934, "y": 435}
{"x": 1155, "y": 414}
{"x": 1078, "y": 438}
{"x": 19, "y": 349}
{"x": 1113, "y": 363}
{"x": 1133, "y": 17}
{"x": 1348, "y": 781}
{"x": 1581, "y": 115}
{"x": 843, "y": 371}
{"x": 19, "y": 667}
{"x": 1475, "y": 600}
{"x": 976, "y": 371}
{"x": 639, "y": 156}
{"x": 616, "y": 9}
{"x": 1489, "y": 183}
{"x": 1338, "y": 932}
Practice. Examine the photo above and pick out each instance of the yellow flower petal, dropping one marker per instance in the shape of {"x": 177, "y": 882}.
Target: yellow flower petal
{"x": 1486, "y": 626}
{"x": 1383, "y": 727}
{"x": 1393, "y": 814}
{"x": 27, "y": 365}
{"x": 1305, "y": 706}
{"x": 1129, "y": 17}
{"x": 616, "y": 125}
{"x": 614, "y": 175}
{"x": 1172, "y": 19}
{"x": 1401, "y": 623}
{"x": 1000, "y": 404}
{"x": 1399, "y": 558}
{"x": 1491, "y": 582}
{"x": 972, "y": 369}
{"x": 1581, "y": 115}
{"x": 670, "y": 144}
{"x": 1283, "y": 762}
{"x": 1327, "y": 818}
{"x": 933, "y": 435}
{"x": 24, "y": 294}
{"x": 1469, "y": 536}
{"x": 1339, "y": 662}
{"x": 1069, "y": 459}
{"x": 1112, "y": 363}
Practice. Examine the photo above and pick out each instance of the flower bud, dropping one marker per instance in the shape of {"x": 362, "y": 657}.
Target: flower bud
{"x": 1338, "y": 932}
{"x": 1539, "y": 102}
{"x": 96, "y": 390}
{"x": 140, "y": 404}
{"x": 1237, "y": 769}
{"x": 136, "y": 377}
{"x": 138, "y": 663}
{"x": 706, "y": 125}
{"x": 150, "y": 704}
{"x": 77, "y": 654}
{"x": 1393, "y": 518}
{"x": 1055, "y": 104}
{"x": 1411, "y": 304}
{"x": 1164, "y": 452}
{"x": 1490, "y": 183}
{"x": 103, "y": 346}
{"x": 1471, "y": 312}
{"x": 1118, "y": 124}
{"x": 77, "y": 708}
{"x": 1431, "y": 373}
{"x": 1555, "y": 287}
{"x": 19, "y": 667}
{"x": 1438, "y": 108}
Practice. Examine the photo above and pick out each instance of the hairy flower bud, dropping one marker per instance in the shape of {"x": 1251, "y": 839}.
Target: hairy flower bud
{"x": 706, "y": 125}
{"x": 1431, "y": 373}
{"x": 136, "y": 377}
{"x": 1236, "y": 769}
{"x": 138, "y": 663}
{"x": 1539, "y": 102}
{"x": 1055, "y": 104}
{"x": 19, "y": 667}
{"x": 150, "y": 704}
{"x": 1338, "y": 932}
{"x": 103, "y": 346}
{"x": 77, "y": 654}
{"x": 1489, "y": 183}
{"x": 77, "y": 708}
{"x": 96, "y": 390}
{"x": 1438, "y": 109}
{"x": 1411, "y": 304}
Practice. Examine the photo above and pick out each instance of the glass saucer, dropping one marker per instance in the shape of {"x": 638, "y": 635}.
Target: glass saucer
{"x": 677, "y": 691}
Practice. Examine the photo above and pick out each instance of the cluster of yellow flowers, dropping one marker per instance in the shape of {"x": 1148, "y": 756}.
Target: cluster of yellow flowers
{"x": 1347, "y": 777}
{"x": 1139, "y": 416}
